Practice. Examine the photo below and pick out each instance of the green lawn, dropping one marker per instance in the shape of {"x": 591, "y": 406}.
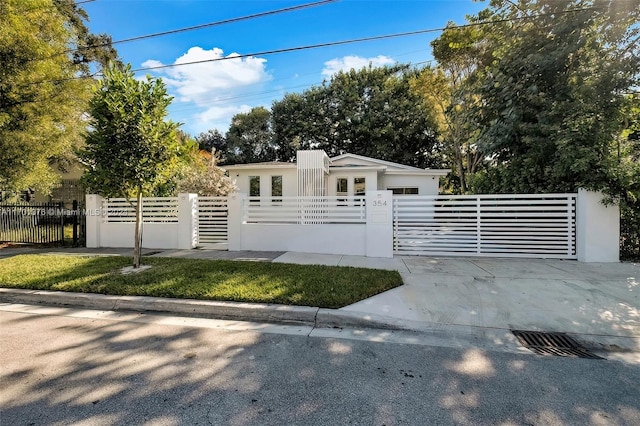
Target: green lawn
{"x": 308, "y": 285}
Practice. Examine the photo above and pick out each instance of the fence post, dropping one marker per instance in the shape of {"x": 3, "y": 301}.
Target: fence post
{"x": 74, "y": 221}
{"x": 379, "y": 236}
{"x": 93, "y": 219}
{"x": 597, "y": 228}
{"x": 235, "y": 217}
{"x": 187, "y": 221}
{"x": 478, "y": 225}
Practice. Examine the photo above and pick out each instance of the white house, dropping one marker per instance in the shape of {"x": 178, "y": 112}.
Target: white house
{"x": 314, "y": 173}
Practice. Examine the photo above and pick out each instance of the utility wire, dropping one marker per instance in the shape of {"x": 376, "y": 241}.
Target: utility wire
{"x": 351, "y": 41}
{"x": 198, "y": 27}
{"x": 266, "y": 93}
{"x": 334, "y": 43}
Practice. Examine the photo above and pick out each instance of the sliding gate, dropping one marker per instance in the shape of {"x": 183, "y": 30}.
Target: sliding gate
{"x": 509, "y": 225}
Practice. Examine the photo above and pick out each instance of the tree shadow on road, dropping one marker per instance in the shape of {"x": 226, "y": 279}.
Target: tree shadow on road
{"x": 64, "y": 370}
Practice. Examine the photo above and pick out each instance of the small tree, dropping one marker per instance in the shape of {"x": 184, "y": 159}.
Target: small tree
{"x": 129, "y": 142}
{"x": 206, "y": 178}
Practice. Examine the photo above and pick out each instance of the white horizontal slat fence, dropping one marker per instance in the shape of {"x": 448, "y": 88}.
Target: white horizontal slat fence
{"x": 509, "y": 225}
{"x": 213, "y": 220}
{"x": 154, "y": 210}
{"x": 305, "y": 210}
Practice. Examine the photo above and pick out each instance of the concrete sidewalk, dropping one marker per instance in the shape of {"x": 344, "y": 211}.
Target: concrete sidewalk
{"x": 479, "y": 297}
{"x": 599, "y": 302}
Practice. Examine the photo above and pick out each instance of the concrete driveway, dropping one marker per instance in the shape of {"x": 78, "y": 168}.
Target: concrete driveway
{"x": 598, "y": 301}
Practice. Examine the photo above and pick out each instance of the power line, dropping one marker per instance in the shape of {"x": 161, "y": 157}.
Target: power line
{"x": 266, "y": 93}
{"x": 352, "y": 41}
{"x": 328, "y": 44}
{"x": 200, "y": 26}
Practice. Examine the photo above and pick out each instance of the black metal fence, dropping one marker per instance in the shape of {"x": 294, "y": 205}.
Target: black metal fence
{"x": 42, "y": 223}
{"x": 630, "y": 230}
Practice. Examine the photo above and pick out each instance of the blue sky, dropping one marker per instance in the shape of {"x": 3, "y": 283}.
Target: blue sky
{"x": 207, "y": 95}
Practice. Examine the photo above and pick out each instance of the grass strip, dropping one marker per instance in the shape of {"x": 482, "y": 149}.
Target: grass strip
{"x": 240, "y": 281}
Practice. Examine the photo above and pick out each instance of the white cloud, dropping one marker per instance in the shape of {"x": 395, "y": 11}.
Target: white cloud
{"x": 152, "y": 63}
{"x": 220, "y": 113}
{"x": 356, "y": 62}
{"x": 208, "y": 84}
{"x": 200, "y": 82}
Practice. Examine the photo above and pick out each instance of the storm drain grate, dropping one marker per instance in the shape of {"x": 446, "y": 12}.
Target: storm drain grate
{"x": 558, "y": 344}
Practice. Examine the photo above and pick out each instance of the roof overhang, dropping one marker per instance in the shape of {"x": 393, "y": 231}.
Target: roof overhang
{"x": 420, "y": 172}
{"x": 335, "y": 169}
{"x": 259, "y": 166}
{"x": 382, "y": 163}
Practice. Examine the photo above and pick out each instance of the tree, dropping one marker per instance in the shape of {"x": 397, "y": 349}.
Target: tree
{"x": 450, "y": 91}
{"x": 129, "y": 142}
{"x": 250, "y": 137}
{"x": 627, "y": 180}
{"x": 204, "y": 177}
{"x": 186, "y": 156}
{"x": 552, "y": 101}
{"x": 85, "y": 48}
{"x": 213, "y": 140}
{"x": 371, "y": 112}
{"x": 42, "y": 98}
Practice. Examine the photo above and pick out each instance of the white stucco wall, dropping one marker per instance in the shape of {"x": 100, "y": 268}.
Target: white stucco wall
{"x": 348, "y": 239}
{"x": 289, "y": 180}
{"x": 597, "y": 228}
{"x": 154, "y": 235}
{"x": 427, "y": 185}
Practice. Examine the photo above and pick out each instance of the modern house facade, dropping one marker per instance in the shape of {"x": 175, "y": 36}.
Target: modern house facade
{"x": 349, "y": 175}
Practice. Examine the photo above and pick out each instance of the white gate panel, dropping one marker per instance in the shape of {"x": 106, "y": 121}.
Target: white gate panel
{"x": 213, "y": 222}
{"x": 505, "y": 225}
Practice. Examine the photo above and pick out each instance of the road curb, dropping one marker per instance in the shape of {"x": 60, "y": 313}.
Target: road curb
{"x": 332, "y": 318}
{"x": 286, "y": 314}
{"x": 313, "y": 316}
{"x": 213, "y": 309}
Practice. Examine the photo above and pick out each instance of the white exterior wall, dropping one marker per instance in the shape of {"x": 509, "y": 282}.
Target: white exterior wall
{"x": 348, "y": 239}
{"x": 178, "y": 234}
{"x": 427, "y": 185}
{"x": 370, "y": 183}
{"x": 379, "y": 237}
{"x": 289, "y": 180}
{"x": 597, "y": 228}
{"x": 154, "y": 235}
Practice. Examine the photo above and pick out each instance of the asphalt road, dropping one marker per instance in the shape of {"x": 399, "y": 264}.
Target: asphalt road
{"x": 94, "y": 371}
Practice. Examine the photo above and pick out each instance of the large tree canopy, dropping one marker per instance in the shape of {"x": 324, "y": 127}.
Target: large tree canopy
{"x": 372, "y": 112}
{"x": 213, "y": 141}
{"x": 42, "y": 100}
{"x": 250, "y": 138}
{"x": 553, "y": 99}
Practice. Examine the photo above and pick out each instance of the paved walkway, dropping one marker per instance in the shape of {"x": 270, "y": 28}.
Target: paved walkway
{"x": 591, "y": 299}
{"x": 477, "y": 296}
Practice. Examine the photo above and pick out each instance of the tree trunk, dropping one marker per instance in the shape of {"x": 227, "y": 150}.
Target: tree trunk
{"x": 137, "y": 247}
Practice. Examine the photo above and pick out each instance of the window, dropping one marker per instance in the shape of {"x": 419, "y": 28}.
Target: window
{"x": 254, "y": 186}
{"x": 276, "y": 187}
{"x": 404, "y": 191}
{"x": 341, "y": 186}
{"x": 359, "y": 187}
